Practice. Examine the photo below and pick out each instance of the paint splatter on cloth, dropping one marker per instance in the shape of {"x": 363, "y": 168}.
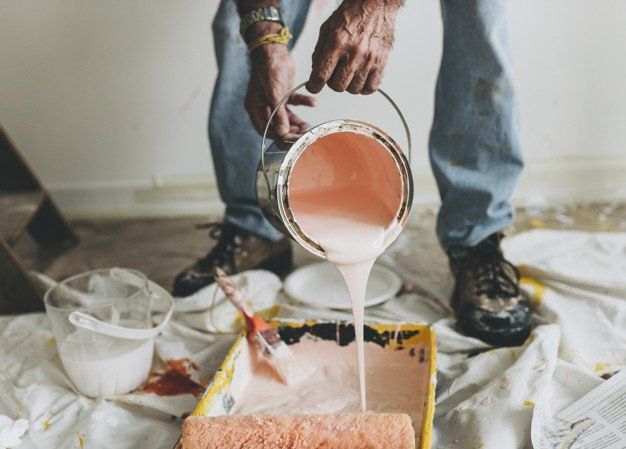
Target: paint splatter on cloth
{"x": 580, "y": 287}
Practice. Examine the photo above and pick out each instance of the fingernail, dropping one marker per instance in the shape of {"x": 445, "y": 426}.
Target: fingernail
{"x": 312, "y": 88}
{"x": 282, "y": 130}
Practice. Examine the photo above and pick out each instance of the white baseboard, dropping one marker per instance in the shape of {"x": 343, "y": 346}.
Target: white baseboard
{"x": 170, "y": 197}
{"x": 575, "y": 179}
{"x": 555, "y": 181}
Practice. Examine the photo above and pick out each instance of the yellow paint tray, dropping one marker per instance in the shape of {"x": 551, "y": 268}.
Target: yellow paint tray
{"x": 230, "y": 380}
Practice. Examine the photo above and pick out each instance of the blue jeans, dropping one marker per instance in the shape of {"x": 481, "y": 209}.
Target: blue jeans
{"x": 474, "y": 147}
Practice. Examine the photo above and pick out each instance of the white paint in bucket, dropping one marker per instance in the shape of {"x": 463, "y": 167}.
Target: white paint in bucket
{"x": 99, "y": 365}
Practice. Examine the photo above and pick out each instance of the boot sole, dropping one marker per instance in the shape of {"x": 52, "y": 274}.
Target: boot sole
{"x": 514, "y": 338}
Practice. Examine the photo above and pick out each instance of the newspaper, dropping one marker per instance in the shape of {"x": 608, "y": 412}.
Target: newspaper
{"x": 595, "y": 421}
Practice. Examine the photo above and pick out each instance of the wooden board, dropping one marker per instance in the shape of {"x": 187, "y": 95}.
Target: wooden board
{"x": 17, "y": 293}
{"x": 25, "y": 206}
{"x": 15, "y": 174}
{"x": 18, "y": 209}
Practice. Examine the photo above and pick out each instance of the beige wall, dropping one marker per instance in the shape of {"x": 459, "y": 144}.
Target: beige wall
{"x": 109, "y": 99}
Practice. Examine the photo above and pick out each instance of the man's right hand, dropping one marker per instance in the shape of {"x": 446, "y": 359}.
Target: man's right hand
{"x": 353, "y": 46}
{"x": 271, "y": 77}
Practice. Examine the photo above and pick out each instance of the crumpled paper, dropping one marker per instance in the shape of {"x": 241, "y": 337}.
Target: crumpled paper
{"x": 11, "y": 431}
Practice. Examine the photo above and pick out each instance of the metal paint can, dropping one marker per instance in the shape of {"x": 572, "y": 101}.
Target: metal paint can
{"x": 276, "y": 164}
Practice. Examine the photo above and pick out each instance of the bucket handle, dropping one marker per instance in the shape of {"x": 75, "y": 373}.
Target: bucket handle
{"x": 299, "y": 86}
{"x": 88, "y": 322}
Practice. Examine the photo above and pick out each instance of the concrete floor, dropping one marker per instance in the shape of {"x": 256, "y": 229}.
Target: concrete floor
{"x": 160, "y": 248}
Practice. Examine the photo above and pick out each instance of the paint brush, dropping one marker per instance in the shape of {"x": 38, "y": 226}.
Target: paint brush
{"x": 274, "y": 349}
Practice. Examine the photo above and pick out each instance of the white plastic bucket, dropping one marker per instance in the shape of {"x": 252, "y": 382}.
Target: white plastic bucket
{"x": 103, "y": 326}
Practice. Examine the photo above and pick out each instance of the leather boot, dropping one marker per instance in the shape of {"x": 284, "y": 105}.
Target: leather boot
{"x": 487, "y": 300}
{"x": 235, "y": 250}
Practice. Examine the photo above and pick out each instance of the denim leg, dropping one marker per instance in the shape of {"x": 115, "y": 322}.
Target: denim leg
{"x": 474, "y": 144}
{"x": 234, "y": 141}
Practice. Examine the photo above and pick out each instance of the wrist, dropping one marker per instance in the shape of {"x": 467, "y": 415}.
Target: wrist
{"x": 267, "y": 52}
{"x": 260, "y": 29}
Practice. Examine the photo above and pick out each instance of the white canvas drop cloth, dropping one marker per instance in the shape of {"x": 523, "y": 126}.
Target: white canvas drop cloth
{"x": 485, "y": 397}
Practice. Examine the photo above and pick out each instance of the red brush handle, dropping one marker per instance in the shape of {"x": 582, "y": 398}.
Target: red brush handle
{"x": 256, "y": 324}
{"x": 234, "y": 294}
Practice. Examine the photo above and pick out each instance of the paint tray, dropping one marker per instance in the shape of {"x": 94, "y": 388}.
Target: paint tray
{"x": 230, "y": 380}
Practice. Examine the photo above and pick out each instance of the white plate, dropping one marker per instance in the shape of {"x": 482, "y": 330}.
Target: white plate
{"x": 321, "y": 285}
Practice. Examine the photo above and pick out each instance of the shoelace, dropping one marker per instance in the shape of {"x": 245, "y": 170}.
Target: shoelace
{"x": 492, "y": 279}
{"x": 222, "y": 253}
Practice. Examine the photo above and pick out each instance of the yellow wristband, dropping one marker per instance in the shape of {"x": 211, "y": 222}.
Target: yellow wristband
{"x": 281, "y": 38}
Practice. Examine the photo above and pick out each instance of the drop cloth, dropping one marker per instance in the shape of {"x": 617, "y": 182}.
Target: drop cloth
{"x": 485, "y": 396}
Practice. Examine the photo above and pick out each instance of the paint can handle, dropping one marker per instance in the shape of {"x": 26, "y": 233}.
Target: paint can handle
{"x": 85, "y": 321}
{"x": 301, "y": 85}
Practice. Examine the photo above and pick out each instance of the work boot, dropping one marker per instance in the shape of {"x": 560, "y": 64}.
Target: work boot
{"x": 487, "y": 300}
{"x": 236, "y": 250}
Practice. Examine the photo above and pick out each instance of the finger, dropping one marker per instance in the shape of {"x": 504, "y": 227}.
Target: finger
{"x": 265, "y": 112}
{"x": 337, "y": 80}
{"x": 292, "y": 137}
{"x": 281, "y": 121}
{"x": 297, "y": 126}
{"x": 257, "y": 116}
{"x": 320, "y": 45}
{"x": 373, "y": 81}
{"x": 294, "y": 132}
{"x": 358, "y": 80}
{"x": 271, "y": 130}
{"x": 301, "y": 100}
{"x": 324, "y": 63}
{"x": 343, "y": 74}
{"x": 255, "y": 113}
{"x": 295, "y": 120}
{"x": 302, "y": 126}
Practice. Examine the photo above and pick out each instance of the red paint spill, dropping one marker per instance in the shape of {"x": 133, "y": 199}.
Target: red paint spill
{"x": 175, "y": 380}
{"x": 172, "y": 383}
{"x": 182, "y": 366}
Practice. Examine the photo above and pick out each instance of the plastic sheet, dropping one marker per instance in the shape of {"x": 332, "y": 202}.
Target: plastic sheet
{"x": 485, "y": 397}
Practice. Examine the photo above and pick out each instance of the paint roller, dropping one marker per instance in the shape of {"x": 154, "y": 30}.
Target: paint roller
{"x": 331, "y": 431}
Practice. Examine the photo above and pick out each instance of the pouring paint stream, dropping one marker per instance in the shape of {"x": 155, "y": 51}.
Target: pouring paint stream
{"x": 345, "y": 192}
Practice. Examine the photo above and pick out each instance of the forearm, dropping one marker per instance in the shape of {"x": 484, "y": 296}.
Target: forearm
{"x": 244, "y": 6}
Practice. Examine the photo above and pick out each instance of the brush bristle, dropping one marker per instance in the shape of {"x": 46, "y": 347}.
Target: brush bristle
{"x": 280, "y": 357}
{"x": 272, "y": 337}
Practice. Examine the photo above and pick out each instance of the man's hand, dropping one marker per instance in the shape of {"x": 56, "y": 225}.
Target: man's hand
{"x": 353, "y": 46}
{"x": 271, "y": 77}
